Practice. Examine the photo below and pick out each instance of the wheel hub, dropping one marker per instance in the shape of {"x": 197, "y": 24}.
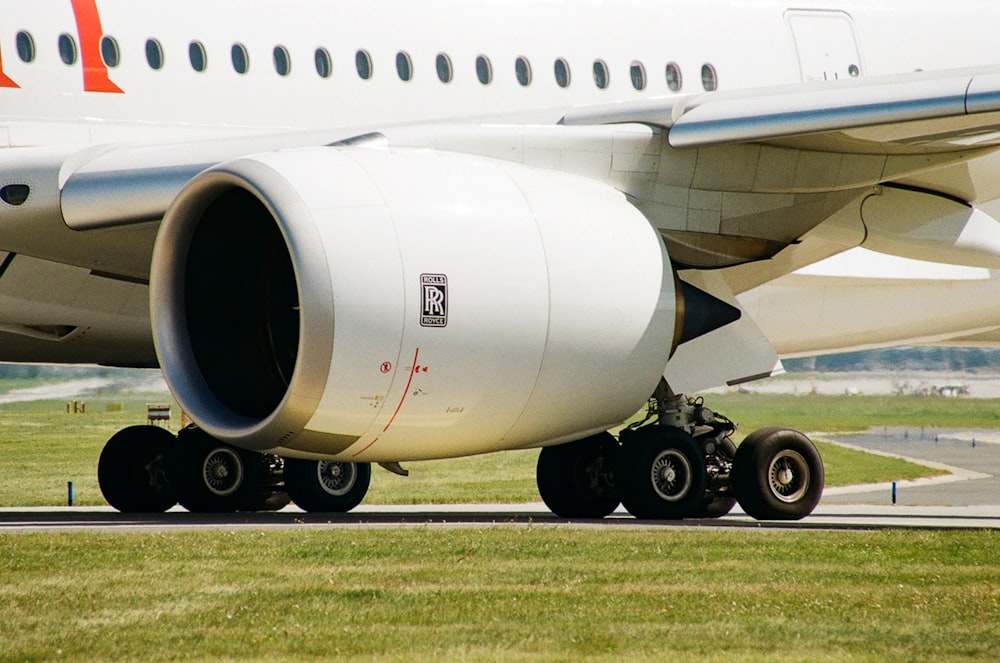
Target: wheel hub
{"x": 671, "y": 475}
{"x": 336, "y": 478}
{"x": 789, "y": 476}
{"x": 222, "y": 472}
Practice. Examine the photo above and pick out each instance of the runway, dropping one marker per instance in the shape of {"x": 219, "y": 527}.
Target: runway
{"x": 826, "y": 517}
{"x": 968, "y": 497}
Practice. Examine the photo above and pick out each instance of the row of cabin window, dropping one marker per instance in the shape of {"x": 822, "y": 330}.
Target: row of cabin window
{"x": 111, "y": 55}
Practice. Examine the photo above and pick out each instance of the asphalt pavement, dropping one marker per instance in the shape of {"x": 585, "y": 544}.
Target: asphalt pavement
{"x": 972, "y": 457}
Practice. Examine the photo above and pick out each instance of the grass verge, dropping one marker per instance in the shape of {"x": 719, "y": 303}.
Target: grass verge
{"x": 44, "y": 447}
{"x": 514, "y": 594}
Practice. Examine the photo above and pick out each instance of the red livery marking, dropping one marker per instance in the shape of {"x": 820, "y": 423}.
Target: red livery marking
{"x": 406, "y": 391}
{"x": 367, "y": 447}
{"x": 5, "y": 80}
{"x": 88, "y": 25}
{"x": 385, "y": 368}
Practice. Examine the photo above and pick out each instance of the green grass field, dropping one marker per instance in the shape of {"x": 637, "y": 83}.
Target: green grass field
{"x": 528, "y": 594}
{"x": 532, "y": 593}
{"x": 45, "y": 448}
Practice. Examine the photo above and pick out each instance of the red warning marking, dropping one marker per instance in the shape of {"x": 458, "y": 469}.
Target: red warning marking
{"x": 88, "y": 26}
{"x": 385, "y": 367}
{"x": 5, "y": 80}
{"x": 367, "y": 447}
{"x": 405, "y": 391}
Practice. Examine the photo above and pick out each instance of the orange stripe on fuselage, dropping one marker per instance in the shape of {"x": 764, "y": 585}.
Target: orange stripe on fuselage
{"x": 5, "y": 80}
{"x": 88, "y": 26}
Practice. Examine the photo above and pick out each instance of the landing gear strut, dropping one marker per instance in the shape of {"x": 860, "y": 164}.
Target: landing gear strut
{"x": 680, "y": 462}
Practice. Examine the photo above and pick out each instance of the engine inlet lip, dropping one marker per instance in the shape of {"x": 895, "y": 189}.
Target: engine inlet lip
{"x": 169, "y": 317}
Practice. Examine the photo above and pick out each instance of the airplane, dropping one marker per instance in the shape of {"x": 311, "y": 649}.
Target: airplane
{"x": 383, "y": 232}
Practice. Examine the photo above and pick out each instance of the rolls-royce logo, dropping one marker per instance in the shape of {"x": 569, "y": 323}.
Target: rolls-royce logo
{"x": 433, "y": 300}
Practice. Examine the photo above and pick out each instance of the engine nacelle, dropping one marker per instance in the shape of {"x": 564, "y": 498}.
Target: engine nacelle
{"x": 384, "y": 305}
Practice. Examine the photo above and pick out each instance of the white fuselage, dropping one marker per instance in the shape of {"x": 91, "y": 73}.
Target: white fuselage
{"x": 747, "y": 44}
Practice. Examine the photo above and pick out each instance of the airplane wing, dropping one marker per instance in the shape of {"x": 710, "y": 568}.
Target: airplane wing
{"x": 917, "y": 112}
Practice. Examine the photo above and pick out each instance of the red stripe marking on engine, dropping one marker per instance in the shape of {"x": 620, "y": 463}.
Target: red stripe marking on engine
{"x": 88, "y": 27}
{"x": 367, "y": 447}
{"x": 5, "y": 80}
{"x": 413, "y": 369}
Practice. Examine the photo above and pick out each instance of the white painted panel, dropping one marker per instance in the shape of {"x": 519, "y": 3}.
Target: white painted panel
{"x": 825, "y": 44}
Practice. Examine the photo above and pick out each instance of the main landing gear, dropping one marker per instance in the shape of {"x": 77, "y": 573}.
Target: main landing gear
{"x": 681, "y": 463}
{"x": 148, "y": 469}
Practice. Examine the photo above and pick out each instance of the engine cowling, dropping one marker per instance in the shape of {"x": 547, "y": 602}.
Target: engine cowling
{"x": 386, "y": 305}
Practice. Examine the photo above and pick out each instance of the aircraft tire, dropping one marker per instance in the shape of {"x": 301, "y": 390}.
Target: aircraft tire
{"x": 576, "y": 480}
{"x": 214, "y": 477}
{"x": 777, "y": 475}
{"x": 269, "y": 501}
{"x": 662, "y": 474}
{"x": 717, "y": 508}
{"x": 326, "y": 486}
{"x": 131, "y": 471}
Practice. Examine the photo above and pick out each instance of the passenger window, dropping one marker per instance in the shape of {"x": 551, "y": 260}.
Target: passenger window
{"x": 324, "y": 63}
{"x": 25, "y": 47}
{"x": 601, "y": 76}
{"x": 484, "y": 70}
{"x": 674, "y": 80}
{"x": 404, "y": 66}
{"x": 67, "y": 49}
{"x": 241, "y": 59}
{"x": 363, "y": 62}
{"x": 638, "y": 74}
{"x": 197, "y": 56}
{"x": 109, "y": 51}
{"x": 709, "y": 79}
{"x": 154, "y": 54}
{"x": 522, "y": 68}
{"x": 562, "y": 73}
{"x": 443, "y": 64}
{"x": 282, "y": 61}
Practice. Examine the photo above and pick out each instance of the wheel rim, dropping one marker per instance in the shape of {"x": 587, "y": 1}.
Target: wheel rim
{"x": 336, "y": 479}
{"x": 222, "y": 471}
{"x": 671, "y": 475}
{"x": 788, "y": 476}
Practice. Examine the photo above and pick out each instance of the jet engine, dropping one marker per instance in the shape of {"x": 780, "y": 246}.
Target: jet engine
{"x": 386, "y": 305}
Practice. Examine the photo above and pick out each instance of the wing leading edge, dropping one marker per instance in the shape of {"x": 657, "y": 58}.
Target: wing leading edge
{"x": 922, "y": 111}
